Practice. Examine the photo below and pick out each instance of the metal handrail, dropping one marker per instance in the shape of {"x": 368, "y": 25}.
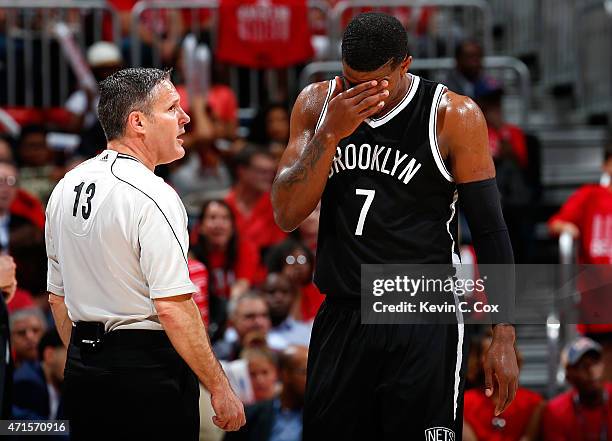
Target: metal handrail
{"x": 341, "y": 7}
{"x": 46, "y": 8}
{"x": 511, "y": 63}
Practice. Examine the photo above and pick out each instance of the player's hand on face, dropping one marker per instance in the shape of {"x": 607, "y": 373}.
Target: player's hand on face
{"x": 348, "y": 108}
{"x": 229, "y": 410}
{"x": 501, "y": 373}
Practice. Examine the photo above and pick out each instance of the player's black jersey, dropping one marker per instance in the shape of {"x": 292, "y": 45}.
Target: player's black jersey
{"x": 389, "y": 197}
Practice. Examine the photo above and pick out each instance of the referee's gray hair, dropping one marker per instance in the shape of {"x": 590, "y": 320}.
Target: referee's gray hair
{"x": 123, "y": 92}
{"x": 20, "y": 314}
{"x": 232, "y": 306}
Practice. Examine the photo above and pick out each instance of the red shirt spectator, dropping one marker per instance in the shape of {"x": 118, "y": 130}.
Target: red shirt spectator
{"x": 590, "y": 209}
{"x": 565, "y": 420}
{"x": 232, "y": 262}
{"x": 511, "y": 425}
{"x": 199, "y": 277}
{"x": 268, "y": 34}
{"x": 245, "y": 268}
{"x": 250, "y": 199}
{"x": 514, "y": 136}
{"x": 29, "y": 207}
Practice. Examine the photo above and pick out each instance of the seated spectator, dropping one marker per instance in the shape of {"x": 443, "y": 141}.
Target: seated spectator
{"x": 308, "y": 231}
{"x": 250, "y": 199}
{"x": 280, "y": 294}
{"x": 585, "y": 216}
{"x": 20, "y": 231}
{"x": 296, "y": 261}
{"x": 104, "y": 59}
{"x": 198, "y": 273}
{"x": 263, "y": 372}
{"x": 231, "y": 261}
{"x": 468, "y": 75}
{"x": 585, "y": 411}
{"x": 281, "y": 418}
{"x": 249, "y": 322}
{"x": 37, "y": 384}
{"x": 270, "y": 129}
{"x": 519, "y": 422}
{"x": 38, "y": 172}
{"x": 27, "y": 328}
{"x": 508, "y": 147}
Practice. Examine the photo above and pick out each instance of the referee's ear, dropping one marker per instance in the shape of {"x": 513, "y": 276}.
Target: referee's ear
{"x": 135, "y": 123}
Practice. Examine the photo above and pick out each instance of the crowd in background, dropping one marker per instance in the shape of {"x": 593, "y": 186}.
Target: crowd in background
{"x": 255, "y": 289}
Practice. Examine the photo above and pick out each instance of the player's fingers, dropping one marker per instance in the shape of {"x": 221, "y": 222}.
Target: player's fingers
{"x": 357, "y": 99}
{"x": 355, "y": 91}
{"x": 489, "y": 389}
{"x": 502, "y": 396}
{"x": 372, "y": 110}
{"x": 372, "y": 101}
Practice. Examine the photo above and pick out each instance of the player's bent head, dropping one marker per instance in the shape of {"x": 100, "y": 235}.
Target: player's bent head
{"x": 126, "y": 91}
{"x": 373, "y": 40}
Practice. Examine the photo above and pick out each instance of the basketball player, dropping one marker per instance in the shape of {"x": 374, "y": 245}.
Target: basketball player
{"x": 386, "y": 153}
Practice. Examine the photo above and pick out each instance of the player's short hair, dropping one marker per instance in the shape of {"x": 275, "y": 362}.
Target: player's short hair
{"x": 373, "y": 39}
{"x": 123, "y": 92}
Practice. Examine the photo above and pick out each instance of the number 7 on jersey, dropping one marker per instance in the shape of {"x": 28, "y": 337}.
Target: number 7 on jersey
{"x": 369, "y": 194}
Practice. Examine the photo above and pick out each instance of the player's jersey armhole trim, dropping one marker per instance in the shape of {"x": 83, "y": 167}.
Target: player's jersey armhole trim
{"x": 433, "y": 133}
{"x": 330, "y": 90}
{"x": 158, "y": 207}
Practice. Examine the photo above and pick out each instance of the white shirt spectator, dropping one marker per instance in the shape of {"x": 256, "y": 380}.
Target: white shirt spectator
{"x": 292, "y": 331}
{"x": 116, "y": 238}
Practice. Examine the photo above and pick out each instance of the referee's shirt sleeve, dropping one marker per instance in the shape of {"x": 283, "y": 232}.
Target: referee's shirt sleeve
{"x": 55, "y": 282}
{"x": 164, "y": 241}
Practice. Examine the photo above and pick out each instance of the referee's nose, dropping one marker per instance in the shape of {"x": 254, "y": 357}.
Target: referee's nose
{"x": 183, "y": 117}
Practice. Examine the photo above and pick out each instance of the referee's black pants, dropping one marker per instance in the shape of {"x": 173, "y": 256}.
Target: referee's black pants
{"x": 136, "y": 387}
{"x": 387, "y": 382}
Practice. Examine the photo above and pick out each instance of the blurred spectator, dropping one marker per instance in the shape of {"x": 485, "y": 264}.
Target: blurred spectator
{"x": 467, "y": 77}
{"x": 27, "y": 327}
{"x": 584, "y": 412}
{"x": 587, "y": 217}
{"x": 21, "y": 233}
{"x": 270, "y": 129}
{"x": 249, "y": 322}
{"x": 281, "y": 294}
{"x": 203, "y": 174}
{"x": 9, "y": 283}
{"x": 37, "y": 384}
{"x": 104, "y": 59}
{"x": 296, "y": 261}
{"x": 231, "y": 261}
{"x": 38, "y": 172}
{"x": 250, "y": 199}
{"x": 519, "y": 422}
{"x": 281, "y": 418}
{"x": 263, "y": 372}
{"x": 198, "y": 273}
{"x": 508, "y": 147}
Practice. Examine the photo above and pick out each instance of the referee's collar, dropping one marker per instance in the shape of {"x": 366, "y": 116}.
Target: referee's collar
{"x": 106, "y": 155}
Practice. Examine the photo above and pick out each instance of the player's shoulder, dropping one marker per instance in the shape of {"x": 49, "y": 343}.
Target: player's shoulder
{"x": 312, "y": 97}
{"x": 454, "y": 105}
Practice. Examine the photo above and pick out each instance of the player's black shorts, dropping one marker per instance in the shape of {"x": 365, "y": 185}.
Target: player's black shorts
{"x": 383, "y": 382}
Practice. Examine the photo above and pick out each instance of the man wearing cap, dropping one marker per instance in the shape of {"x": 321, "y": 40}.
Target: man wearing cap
{"x": 104, "y": 59}
{"x": 583, "y": 413}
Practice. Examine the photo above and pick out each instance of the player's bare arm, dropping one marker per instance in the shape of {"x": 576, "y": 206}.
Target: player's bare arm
{"x": 463, "y": 140}
{"x": 305, "y": 164}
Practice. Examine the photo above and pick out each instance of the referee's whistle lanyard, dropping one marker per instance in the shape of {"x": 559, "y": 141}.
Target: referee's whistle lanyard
{"x": 603, "y": 432}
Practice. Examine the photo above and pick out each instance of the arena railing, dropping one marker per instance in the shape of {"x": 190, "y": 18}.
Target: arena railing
{"x": 35, "y": 71}
{"x": 245, "y": 82}
{"x": 438, "y": 67}
{"x": 454, "y": 20}
{"x": 593, "y": 37}
{"x": 520, "y": 24}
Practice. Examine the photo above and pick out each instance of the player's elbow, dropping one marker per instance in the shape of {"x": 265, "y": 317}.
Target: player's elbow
{"x": 284, "y": 220}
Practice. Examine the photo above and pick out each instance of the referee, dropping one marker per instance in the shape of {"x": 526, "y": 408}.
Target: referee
{"x": 120, "y": 293}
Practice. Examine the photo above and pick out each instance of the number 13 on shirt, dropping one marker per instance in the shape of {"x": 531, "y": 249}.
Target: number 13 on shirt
{"x": 369, "y": 194}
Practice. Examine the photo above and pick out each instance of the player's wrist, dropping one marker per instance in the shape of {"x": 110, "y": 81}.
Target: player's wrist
{"x": 504, "y": 332}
